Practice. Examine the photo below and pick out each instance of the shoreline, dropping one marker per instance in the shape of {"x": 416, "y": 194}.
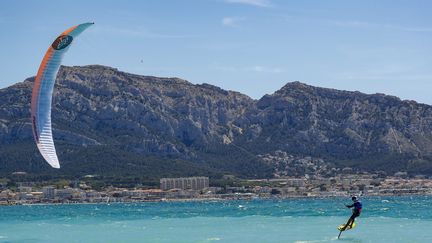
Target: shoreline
{"x": 215, "y": 199}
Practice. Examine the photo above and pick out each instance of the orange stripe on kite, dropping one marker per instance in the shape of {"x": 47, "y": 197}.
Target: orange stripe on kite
{"x": 39, "y": 75}
{"x": 67, "y": 32}
{"x": 42, "y": 67}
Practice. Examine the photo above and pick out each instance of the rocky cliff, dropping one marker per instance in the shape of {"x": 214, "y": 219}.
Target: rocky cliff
{"x": 106, "y": 120}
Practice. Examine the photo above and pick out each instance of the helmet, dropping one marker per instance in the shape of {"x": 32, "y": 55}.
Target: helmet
{"x": 354, "y": 198}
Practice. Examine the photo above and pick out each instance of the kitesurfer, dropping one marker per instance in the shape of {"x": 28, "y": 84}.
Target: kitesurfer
{"x": 357, "y": 208}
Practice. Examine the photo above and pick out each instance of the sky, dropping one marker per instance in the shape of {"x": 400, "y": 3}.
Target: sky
{"x": 251, "y": 46}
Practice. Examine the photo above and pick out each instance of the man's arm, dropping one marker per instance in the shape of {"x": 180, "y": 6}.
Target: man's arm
{"x": 349, "y": 206}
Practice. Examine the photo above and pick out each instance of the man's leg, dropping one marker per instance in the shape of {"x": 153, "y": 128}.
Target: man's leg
{"x": 353, "y": 217}
{"x": 350, "y": 220}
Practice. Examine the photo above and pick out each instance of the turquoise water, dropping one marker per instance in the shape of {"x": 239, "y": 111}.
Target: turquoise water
{"x": 384, "y": 219}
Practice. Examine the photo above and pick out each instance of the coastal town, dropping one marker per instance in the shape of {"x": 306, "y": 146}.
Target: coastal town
{"x": 200, "y": 188}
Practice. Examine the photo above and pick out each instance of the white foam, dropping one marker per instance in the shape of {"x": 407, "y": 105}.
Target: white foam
{"x": 214, "y": 239}
{"x": 315, "y": 241}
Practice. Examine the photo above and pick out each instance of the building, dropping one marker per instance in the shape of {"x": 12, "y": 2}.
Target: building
{"x": 64, "y": 193}
{"x": 295, "y": 182}
{"x": 48, "y": 192}
{"x": 25, "y": 189}
{"x": 185, "y": 183}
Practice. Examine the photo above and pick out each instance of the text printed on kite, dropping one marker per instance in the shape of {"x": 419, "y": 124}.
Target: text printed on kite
{"x": 43, "y": 91}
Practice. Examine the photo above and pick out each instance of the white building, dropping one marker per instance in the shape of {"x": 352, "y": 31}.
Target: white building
{"x": 185, "y": 183}
{"x": 48, "y": 192}
{"x": 64, "y": 193}
{"x": 25, "y": 189}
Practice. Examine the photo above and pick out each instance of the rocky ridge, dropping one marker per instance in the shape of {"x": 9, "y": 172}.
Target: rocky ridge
{"x": 99, "y": 110}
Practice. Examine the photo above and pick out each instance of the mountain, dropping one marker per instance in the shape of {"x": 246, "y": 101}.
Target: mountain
{"x": 369, "y": 132}
{"x": 117, "y": 124}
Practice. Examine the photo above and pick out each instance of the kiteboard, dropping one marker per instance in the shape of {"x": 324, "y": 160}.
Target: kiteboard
{"x": 347, "y": 228}
{"x": 340, "y": 228}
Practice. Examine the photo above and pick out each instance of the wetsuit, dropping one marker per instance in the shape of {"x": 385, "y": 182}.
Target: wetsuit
{"x": 357, "y": 207}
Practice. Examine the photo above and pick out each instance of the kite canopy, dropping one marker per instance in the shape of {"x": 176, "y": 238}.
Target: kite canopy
{"x": 43, "y": 89}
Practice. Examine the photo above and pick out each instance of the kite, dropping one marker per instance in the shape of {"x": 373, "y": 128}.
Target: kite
{"x": 43, "y": 90}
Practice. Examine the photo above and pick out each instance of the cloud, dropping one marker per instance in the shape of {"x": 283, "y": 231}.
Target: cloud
{"x": 384, "y": 77}
{"x": 394, "y": 72}
{"x": 355, "y": 24}
{"x": 362, "y": 24}
{"x": 139, "y": 33}
{"x": 257, "y": 3}
{"x": 263, "y": 69}
{"x": 257, "y": 69}
{"x": 231, "y": 21}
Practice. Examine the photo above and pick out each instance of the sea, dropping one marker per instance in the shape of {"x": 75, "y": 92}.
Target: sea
{"x": 384, "y": 219}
